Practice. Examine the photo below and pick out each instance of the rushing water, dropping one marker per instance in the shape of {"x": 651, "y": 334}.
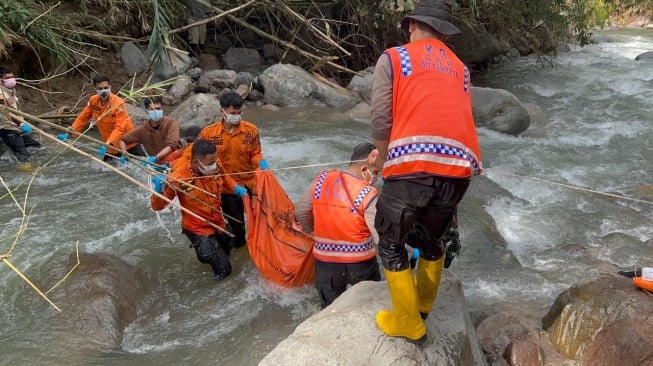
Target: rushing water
{"x": 524, "y": 240}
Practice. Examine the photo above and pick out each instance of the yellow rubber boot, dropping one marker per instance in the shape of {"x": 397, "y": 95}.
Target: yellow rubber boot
{"x": 404, "y": 320}
{"x": 429, "y": 274}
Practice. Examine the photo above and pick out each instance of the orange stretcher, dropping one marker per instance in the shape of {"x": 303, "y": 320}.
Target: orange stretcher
{"x": 279, "y": 249}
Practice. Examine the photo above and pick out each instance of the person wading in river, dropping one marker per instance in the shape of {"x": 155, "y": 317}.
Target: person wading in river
{"x": 339, "y": 209}
{"x": 198, "y": 183}
{"x": 423, "y": 126}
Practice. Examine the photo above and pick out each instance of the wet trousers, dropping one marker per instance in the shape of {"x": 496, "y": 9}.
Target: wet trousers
{"x": 213, "y": 250}
{"x": 233, "y": 206}
{"x": 14, "y": 141}
{"x": 426, "y": 204}
{"x": 331, "y": 279}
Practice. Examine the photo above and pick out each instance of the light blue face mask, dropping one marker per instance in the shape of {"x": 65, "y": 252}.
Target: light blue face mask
{"x": 155, "y": 115}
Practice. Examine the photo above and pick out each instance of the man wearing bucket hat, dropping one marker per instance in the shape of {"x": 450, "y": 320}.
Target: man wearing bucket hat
{"x": 423, "y": 126}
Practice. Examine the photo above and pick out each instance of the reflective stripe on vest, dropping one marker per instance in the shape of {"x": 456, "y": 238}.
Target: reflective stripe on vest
{"x": 341, "y": 232}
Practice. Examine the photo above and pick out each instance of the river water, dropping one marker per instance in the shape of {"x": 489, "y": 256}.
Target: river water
{"x": 524, "y": 239}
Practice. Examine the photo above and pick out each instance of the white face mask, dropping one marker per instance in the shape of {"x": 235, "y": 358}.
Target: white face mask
{"x": 103, "y": 93}
{"x": 232, "y": 119}
{"x": 207, "y": 170}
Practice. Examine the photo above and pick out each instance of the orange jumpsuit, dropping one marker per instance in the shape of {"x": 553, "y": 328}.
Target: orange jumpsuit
{"x": 182, "y": 182}
{"x": 112, "y": 119}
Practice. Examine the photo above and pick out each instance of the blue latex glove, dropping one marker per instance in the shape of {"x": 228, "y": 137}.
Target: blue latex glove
{"x": 415, "y": 253}
{"x": 158, "y": 181}
{"x": 240, "y": 190}
{"x": 263, "y": 164}
{"x": 123, "y": 159}
{"x": 25, "y": 128}
{"x": 151, "y": 159}
{"x": 63, "y": 137}
{"x": 102, "y": 151}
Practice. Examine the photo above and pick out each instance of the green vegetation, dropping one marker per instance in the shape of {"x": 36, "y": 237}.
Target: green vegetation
{"x": 349, "y": 33}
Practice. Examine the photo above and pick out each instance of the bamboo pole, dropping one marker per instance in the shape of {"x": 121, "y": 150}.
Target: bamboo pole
{"x": 211, "y": 19}
{"x": 131, "y": 179}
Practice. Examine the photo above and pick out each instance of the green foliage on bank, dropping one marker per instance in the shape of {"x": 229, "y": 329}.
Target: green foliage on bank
{"x": 64, "y": 33}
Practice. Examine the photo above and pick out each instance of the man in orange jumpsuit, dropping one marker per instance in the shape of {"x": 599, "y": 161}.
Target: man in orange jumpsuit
{"x": 111, "y": 118}
{"x": 198, "y": 183}
{"x": 423, "y": 126}
{"x": 239, "y": 149}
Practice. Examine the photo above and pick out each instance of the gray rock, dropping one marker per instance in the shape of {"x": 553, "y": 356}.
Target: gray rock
{"x": 345, "y": 333}
{"x": 646, "y": 56}
{"x": 244, "y": 78}
{"x": 177, "y": 63}
{"x": 497, "y": 331}
{"x": 137, "y": 114}
{"x": 200, "y": 109}
{"x": 242, "y": 59}
{"x": 362, "y": 84}
{"x": 626, "y": 341}
{"x": 499, "y": 110}
{"x": 181, "y": 87}
{"x": 291, "y": 86}
{"x": 361, "y": 112}
{"x": 474, "y": 44}
{"x": 269, "y": 51}
{"x": 133, "y": 59}
{"x": 216, "y": 80}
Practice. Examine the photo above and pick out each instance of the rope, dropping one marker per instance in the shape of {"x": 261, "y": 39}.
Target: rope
{"x": 570, "y": 186}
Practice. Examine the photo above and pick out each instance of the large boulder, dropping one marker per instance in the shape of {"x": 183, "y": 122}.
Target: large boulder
{"x": 242, "y": 59}
{"x": 217, "y": 80}
{"x": 646, "y": 56}
{"x": 475, "y": 44}
{"x": 345, "y": 333}
{"x": 362, "y": 84}
{"x": 580, "y": 313}
{"x": 291, "y": 86}
{"x": 200, "y": 109}
{"x": 181, "y": 87}
{"x": 133, "y": 59}
{"x": 626, "y": 341}
{"x": 177, "y": 63}
{"x": 499, "y": 110}
{"x": 100, "y": 299}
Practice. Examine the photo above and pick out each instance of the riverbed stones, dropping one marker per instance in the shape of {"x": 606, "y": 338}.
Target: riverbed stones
{"x": 216, "y": 80}
{"x": 646, "y": 56}
{"x": 182, "y": 86}
{"x": 626, "y": 341}
{"x": 362, "y": 84}
{"x": 499, "y": 110}
{"x": 242, "y": 59}
{"x": 345, "y": 333}
{"x": 291, "y": 86}
{"x": 133, "y": 59}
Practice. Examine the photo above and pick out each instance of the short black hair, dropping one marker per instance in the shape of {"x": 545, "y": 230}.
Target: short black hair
{"x": 4, "y": 70}
{"x": 201, "y": 148}
{"x": 361, "y": 151}
{"x": 231, "y": 99}
{"x": 148, "y": 101}
{"x": 100, "y": 78}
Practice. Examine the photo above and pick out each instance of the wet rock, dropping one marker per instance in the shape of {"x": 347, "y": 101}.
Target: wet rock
{"x": 623, "y": 342}
{"x": 361, "y": 112}
{"x": 200, "y": 109}
{"x": 474, "y": 44}
{"x": 101, "y": 298}
{"x": 497, "y": 331}
{"x": 345, "y": 333}
{"x": 523, "y": 353}
{"x": 177, "y": 63}
{"x": 499, "y": 110}
{"x": 137, "y": 114}
{"x": 646, "y": 56}
{"x": 208, "y": 62}
{"x": 580, "y": 312}
{"x": 291, "y": 86}
{"x": 362, "y": 84}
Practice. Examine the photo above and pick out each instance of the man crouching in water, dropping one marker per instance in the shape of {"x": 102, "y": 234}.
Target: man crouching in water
{"x": 198, "y": 184}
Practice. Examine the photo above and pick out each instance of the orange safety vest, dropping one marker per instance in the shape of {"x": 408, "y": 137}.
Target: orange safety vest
{"x": 339, "y": 203}
{"x": 433, "y": 129}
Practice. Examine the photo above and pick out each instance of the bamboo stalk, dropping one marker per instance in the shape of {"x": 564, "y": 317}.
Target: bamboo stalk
{"x": 131, "y": 179}
{"x": 32, "y": 285}
{"x": 213, "y": 18}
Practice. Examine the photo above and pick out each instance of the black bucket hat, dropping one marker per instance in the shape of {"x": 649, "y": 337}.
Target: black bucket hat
{"x": 434, "y": 13}
{"x": 190, "y": 134}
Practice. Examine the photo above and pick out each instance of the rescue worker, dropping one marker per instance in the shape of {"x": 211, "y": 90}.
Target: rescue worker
{"x": 239, "y": 149}
{"x": 339, "y": 209}
{"x": 190, "y": 182}
{"x": 423, "y": 126}
{"x": 159, "y": 135}
{"x": 14, "y": 132}
{"x": 111, "y": 118}
{"x": 190, "y": 134}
